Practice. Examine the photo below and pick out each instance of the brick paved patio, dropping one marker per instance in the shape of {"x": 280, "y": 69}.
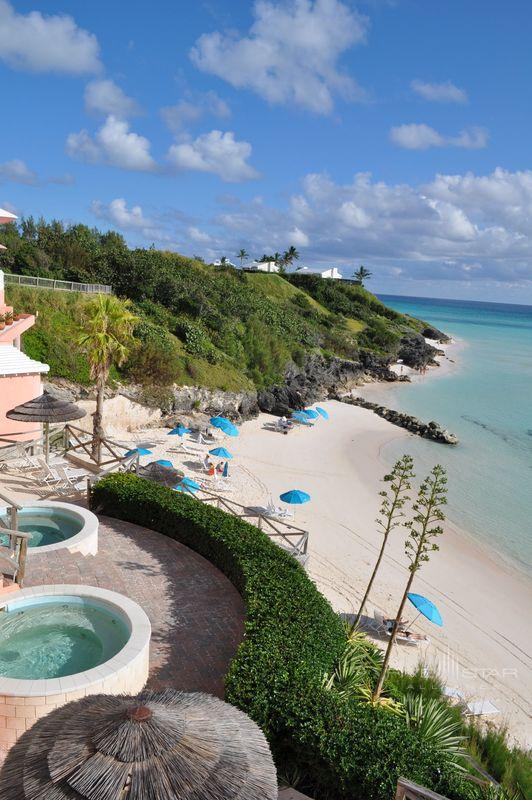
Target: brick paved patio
{"x": 196, "y": 613}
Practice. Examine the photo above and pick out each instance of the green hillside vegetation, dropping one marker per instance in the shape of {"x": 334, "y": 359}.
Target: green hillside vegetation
{"x": 198, "y": 324}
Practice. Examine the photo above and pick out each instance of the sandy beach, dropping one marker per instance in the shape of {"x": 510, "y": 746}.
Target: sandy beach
{"x": 482, "y": 648}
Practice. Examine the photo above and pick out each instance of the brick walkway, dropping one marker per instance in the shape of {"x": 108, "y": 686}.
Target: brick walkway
{"x": 196, "y": 613}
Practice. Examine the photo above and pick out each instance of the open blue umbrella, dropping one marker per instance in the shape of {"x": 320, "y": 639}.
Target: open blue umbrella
{"x": 295, "y": 497}
{"x": 184, "y": 489}
{"x": 225, "y": 425}
{"x": 310, "y": 413}
{"x": 164, "y": 462}
{"x": 179, "y": 431}
{"x": 138, "y": 451}
{"x": 425, "y": 607}
{"x": 322, "y": 412}
{"x": 221, "y": 452}
{"x": 191, "y": 483}
{"x": 300, "y": 416}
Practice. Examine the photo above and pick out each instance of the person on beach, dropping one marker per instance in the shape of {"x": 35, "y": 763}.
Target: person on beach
{"x": 220, "y": 468}
{"x": 207, "y": 463}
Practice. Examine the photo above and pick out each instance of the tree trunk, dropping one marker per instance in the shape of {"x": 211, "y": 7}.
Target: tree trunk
{"x": 370, "y": 584}
{"x": 97, "y": 427}
{"x": 384, "y": 670}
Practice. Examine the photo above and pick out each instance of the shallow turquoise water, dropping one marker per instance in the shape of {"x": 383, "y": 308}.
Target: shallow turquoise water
{"x": 487, "y": 401}
{"x": 47, "y": 526}
{"x": 52, "y": 640}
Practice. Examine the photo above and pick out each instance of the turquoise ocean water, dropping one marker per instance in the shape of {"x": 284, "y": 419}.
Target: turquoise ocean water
{"x": 486, "y": 399}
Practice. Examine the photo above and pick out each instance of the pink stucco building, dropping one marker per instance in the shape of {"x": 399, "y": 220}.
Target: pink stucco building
{"x": 20, "y": 376}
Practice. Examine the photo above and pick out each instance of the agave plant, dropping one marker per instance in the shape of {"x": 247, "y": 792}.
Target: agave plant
{"x": 357, "y": 668}
{"x": 435, "y": 723}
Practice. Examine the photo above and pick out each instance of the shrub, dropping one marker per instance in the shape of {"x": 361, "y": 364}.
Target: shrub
{"x": 292, "y": 638}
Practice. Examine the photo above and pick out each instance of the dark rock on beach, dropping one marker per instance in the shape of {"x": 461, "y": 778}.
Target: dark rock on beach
{"x": 433, "y": 333}
{"x": 415, "y": 352}
{"x": 427, "y": 430}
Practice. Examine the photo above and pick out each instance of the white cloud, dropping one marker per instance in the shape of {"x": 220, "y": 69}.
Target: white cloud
{"x": 298, "y": 238}
{"x": 18, "y": 171}
{"x": 113, "y": 144}
{"x": 455, "y": 227}
{"x": 105, "y": 97}
{"x": 38, "y": 43}
{"x": 215, "y": 152}
{"x": 192, "y": 109}
{"x": 439, "y": 92}
{"x": 198, "y": 235}
{"x": 421, "y": 137}
{"x": 128, "y": 219}
{"x": 291, "y": 53}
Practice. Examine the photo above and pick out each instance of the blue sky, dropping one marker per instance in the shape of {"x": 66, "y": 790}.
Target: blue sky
{"x": 393, "y": 134}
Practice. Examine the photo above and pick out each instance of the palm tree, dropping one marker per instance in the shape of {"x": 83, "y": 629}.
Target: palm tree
{"x": 224, "y": 261}
{"x": 242, "y": 255}
{"x": 361, "y": 274}
{"x": 277, "y": 257}
{"x": 290, "y": 255}
{"x": 107, "y": 339}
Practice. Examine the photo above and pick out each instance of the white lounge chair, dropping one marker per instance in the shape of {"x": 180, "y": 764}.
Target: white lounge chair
{"x": 48, "y": 474}
{"x": 453, "y": 694}
{"x": 277, "y": 512}
{"x": 481, "y": 708}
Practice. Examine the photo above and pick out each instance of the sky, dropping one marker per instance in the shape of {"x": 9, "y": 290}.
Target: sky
{"x": 389, "y": 133}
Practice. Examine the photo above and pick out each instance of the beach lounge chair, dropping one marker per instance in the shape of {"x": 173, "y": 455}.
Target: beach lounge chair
{"x": 453, "y": 694}
{"x": 379, "y": 621}
{"x": 481, "y": 708}
{"x": 48, "y": 476}
{"x": 277, "y": 512}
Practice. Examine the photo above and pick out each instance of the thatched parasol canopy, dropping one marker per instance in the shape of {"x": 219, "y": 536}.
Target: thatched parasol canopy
{"x": 156, "y": 746}
{"x": 48, "y": 409}
{"x": 166, "y": 476}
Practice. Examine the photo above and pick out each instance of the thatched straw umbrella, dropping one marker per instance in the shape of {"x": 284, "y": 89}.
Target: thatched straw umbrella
{"x": 156, "y": 746}
{"x": 166, "y": 476}
{"x": 47, "y": 409}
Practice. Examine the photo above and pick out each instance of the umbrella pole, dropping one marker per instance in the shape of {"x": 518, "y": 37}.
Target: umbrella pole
{"x": 47, "y": 441}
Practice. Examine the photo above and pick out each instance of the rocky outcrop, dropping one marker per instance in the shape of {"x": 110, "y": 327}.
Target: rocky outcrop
{"x": 427, "y": 430}
{"x": 415, "y": 352}
{"x": 433, "y": 333}
{"x": 320, "y": 378}
{"x": 235, "y": 405}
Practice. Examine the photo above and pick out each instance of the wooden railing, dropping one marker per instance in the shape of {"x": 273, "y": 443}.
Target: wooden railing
{"x": 287, "y": 536}
{"x": 14, "y": 554}
{"x": 407, "y": 790}
{"x": 77, "y": 440}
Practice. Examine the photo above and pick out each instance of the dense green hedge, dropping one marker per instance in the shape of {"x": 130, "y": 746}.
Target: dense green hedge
{"x": 292, "y": 637}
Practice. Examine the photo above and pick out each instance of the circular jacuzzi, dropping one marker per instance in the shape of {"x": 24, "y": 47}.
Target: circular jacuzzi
{"x": 53, "y": 526}
{"x": 60, "y": 643}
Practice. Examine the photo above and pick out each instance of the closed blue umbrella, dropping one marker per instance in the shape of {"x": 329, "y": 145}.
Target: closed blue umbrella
{"x": 425, "y": 607}
{"x": 164, "y": 463}
{"x": 138, "y": 451}
{"x": 179, "y": 431}
{"x": 221, "y": 452}
{"x": 322, "y": 412}
{"x": 295, "y": 497}
{"x": 310, "y": 413}
{"x": 225, "y": 473}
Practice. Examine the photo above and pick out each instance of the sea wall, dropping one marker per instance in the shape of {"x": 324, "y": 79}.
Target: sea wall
{"x": 427, "y": 430}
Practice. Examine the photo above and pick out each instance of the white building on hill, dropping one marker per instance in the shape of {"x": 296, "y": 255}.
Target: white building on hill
{"x": 262, "y": 266}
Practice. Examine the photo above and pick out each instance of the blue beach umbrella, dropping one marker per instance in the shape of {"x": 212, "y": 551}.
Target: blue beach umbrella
{"x": 164, "y": 463}
{"x": 300, "y": 416}
{"x": 138, "y": 451}
{"x": 310, "y": 413}
{"x": 295, "y": 497}
{"x": 225, "y": 473}
{"x": 184, "y": 489}
{"x": 321, "y": 411}
{"x": 220, "y": 422}
{"x": 221, "y": 452}
{"x": 179, "y": 431}
{"x": 190, "y": 482}
{"x": 425, "y": 607}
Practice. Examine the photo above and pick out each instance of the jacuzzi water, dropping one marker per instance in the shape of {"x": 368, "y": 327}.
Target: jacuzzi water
{"x": 46, "y": 525}
{"x": 54, "y": 639}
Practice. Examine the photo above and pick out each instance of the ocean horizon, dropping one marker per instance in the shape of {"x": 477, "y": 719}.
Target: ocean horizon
{"x": 485, "y": 399}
